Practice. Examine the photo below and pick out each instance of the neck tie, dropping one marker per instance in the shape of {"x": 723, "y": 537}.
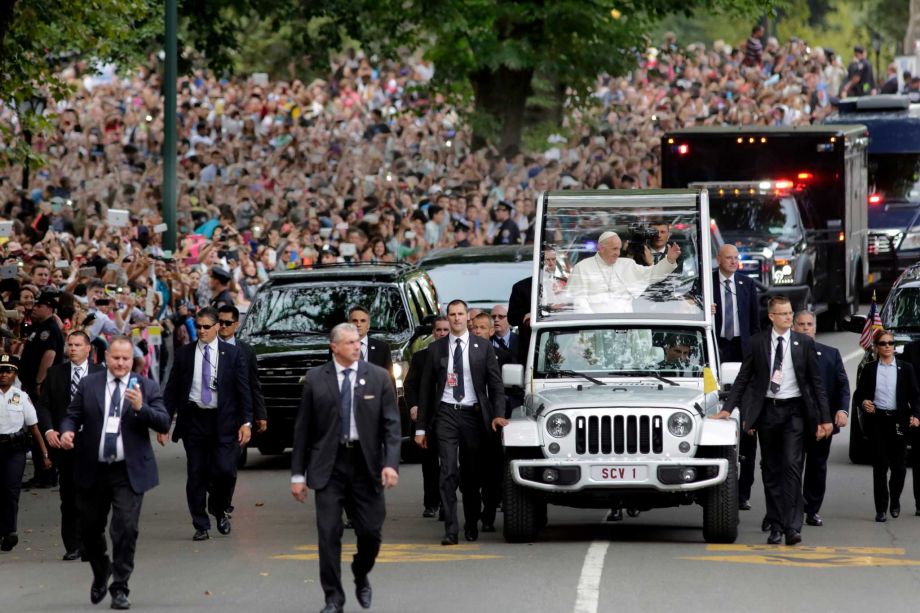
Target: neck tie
{"x": 364, "y": 351}
{"x": 75, "y": 381}
{"x": 658, "y": 256}
{"x": 345, "y": 399}
{"x": 459, "y": 392}
{"x": 110, "y": 447}
{"x": 729, "y": 314}
{"x": 206, "y": 376}
{"x": 777, "y": 366}
{"x": 500, "y": 343}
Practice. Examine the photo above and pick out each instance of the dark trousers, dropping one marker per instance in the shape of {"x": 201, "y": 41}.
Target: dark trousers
{"x": 211, "y": 467}
{"x": 111, "y": 491}
{"x": 888, "y": 445}
{"x": 353, "y": 489}
{"x": 493, "y": 471}
{"x": 747, "y": 450}
{"x": 431, "y": 474}
{"x": 781, "y": 428}
{"x": 915, "y": 463}
{"x": 40, "y": 475}
{"x": 12, "y": 466}
{"x": 70, "y": 515}
{"x": 461, "y": 442}
{"x": 815, "y": 479}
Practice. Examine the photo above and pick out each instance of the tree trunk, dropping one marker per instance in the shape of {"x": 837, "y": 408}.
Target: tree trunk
{"x": 501, "y": 96}
{"x": 913, "y": 28}
{"x": 7, "y": 10}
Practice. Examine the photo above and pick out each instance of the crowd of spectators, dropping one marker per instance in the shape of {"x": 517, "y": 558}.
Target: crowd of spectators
{"x": 370, "y": 164}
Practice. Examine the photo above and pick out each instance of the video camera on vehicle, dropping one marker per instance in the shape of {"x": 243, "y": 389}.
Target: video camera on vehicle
{"x": 639, "y": 235}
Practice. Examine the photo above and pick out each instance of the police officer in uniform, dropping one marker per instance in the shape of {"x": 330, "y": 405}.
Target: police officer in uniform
{"x": 220, "y": 281}
{"x": 17, "y": 416}
{"x": 508, "y": 231}
{"x": 461, "y": 234}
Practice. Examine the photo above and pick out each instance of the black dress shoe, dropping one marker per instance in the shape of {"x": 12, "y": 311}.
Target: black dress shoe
{"x": 98, "y": 590}
{"x": 120, "y": 601}
{"x": 880, "y": 517}
{"x": 895, "y": 512}
{"x": 744, "y": 505}
{"x": 813, "y": 519}
{"x": 9, "y": 541}
{"x": 765, "y": 525}
{"x": 429, "y": 512}
{"x": 775, "y": 538}
{"x": 72, "y": 555}
{"x": 488, "y": 527}
{"x": 615, "y": 515}
{"x": 471, "y": 533}
{"x": 363, "y": 592}
{"x": 201, "y": 535}
{"x": 449, "y": 539}
{"x": 223, "y": 524}
{"x": 793, "y": 537}
{"x": 331, "y": 607}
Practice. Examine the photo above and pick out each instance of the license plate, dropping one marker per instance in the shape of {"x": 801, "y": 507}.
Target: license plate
{"x": 619, "y": 473}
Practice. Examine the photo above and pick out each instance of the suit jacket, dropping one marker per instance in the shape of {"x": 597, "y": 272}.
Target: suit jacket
{"x": 518, "y": 307}
{"x": 484, "y": 371}
{"x": 378, "y": 354}
{"x": 834, "y": 377}
{"x": 514, "y": 347}
{"x": 252, "y": 366}
{"x": 55, "y": 397}
{"x": 319, "y": 423}
{"x": 86, "y": 418}
{"x": 413, "y": 380}
{"x": 749, "y": 392}
{"x": 748, "y": 304}
{"x": 234, "y": 396}
{"x": 906, "y": 392}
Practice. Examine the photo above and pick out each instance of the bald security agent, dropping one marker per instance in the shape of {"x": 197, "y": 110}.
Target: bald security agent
{"x": 108, "y": 426}
{"x": 346, "y": 448}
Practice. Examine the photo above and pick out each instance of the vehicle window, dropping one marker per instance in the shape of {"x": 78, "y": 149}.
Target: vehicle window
{"x": 888, "y": 215}
{"x": 480, "y": 282}
{"x": 902, "y": 308}
{"x": 318, "y": 308}
{"x": 742, "y": 218}
{"x": 671, "y": 352}
{"x": 416, "y": 304}
{"x": 895, "y": 176}
{"x": 429, "y": 296}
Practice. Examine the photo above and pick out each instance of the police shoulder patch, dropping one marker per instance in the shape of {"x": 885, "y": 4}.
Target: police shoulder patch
{"x": 44, "y": 335}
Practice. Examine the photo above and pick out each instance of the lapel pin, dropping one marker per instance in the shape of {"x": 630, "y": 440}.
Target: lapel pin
{"x": 796, "y": 343}
{"x": 360, "y": 381}
{"x": 476, "y": 345}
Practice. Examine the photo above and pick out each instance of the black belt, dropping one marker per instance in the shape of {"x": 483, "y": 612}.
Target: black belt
{"x": 350, "y": 444}
{"x": 11, "y": 439}
{"x": 456, "y": 406}
{"x": 785, "y": 401}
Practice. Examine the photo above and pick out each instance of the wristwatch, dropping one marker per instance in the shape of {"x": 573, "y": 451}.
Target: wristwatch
{"x": 248, "y": 424}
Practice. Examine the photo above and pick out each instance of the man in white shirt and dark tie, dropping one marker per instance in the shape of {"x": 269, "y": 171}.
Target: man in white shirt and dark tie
{"x": 373, "y": 350}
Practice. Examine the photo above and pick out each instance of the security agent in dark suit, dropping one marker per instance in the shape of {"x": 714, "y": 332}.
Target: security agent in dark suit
{"x": 911, "y": 354}
{"x": 346, "y": 448}
{"x": 208, "y": 392}
{"x": 373, "y": 350}
{"x": 430, "y": 465}
{"x": 59, "y": 389}
{"x": 737, "y": 318}
{"x": 837, "y": 387}
{"x": 462, "y": 397}
{"x": 780, "y": 395}
{"x": 107, "y": 424}
{"x": 519, "y": 315}
{"x": 887, "y": 397}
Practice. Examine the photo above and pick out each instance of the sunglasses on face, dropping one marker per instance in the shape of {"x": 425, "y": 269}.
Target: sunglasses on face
{"x": 224, "y": 323}
{"x": 204, "y": 326}
{"x": 499, "y": 317}
{"x": 885, "y": 344}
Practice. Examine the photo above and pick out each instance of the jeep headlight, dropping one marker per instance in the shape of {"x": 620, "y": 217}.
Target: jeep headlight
{"x": 680, "y": 424}
{"x": 558, "y": 425}
{"x": 399, "y": 373}
{"x": 783, "y": 272}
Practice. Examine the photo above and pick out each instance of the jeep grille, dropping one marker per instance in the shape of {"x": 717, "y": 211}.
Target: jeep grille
{"x": 619, "y": 434}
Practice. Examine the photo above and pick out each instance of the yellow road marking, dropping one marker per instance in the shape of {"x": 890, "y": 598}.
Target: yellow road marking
{"x": 807, "y": 556}
{"x": 891, "y": 551}
{"x": 400, "y": 552}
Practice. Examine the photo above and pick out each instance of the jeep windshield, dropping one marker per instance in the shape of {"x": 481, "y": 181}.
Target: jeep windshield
{"x": 902, "y": 308}
{"x": 316, "y": 309}
{"x": 742, "y": 217}
{"x": 635, "y": 351}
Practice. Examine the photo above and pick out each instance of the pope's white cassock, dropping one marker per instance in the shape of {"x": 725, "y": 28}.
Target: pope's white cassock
{"x": 598, "y": 287}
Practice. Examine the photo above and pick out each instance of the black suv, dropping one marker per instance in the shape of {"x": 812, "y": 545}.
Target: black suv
{"x": 290, "y": 319}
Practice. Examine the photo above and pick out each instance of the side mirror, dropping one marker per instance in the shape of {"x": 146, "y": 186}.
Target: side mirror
{"x": 729, "y": 374}
{"x": 513, "y": 375}
{"x": 854, "y": 323}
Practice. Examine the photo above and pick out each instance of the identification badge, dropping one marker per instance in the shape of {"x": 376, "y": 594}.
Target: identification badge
{"x": 777, "y": 377}
{"x": 451, "y": 379}
{"x": 111, "y": 425}
{"x": 15, "y": 400}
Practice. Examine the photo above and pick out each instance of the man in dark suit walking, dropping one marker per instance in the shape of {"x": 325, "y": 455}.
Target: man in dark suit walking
{"x": 737, "y": 318}
{"x": 911, "y": 354}
{"x": 208, "y": 392}
{"x": 780, "y": 395}
{"x": 373, "y": 350}
{"x": 107, "y": 425}
{"x": 346, "y": 448}
{"x": 430, "y": 465}
{"x": 462, "y": 398}
{"x": 59, "y": 389}
{"x": 519, "y": 314}
{"x": 837, "y": 387}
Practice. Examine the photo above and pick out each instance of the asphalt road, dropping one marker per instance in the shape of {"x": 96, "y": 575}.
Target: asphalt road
{"x": 656, "y": 562}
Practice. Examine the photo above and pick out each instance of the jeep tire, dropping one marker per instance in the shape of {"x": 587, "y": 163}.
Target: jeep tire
{"x": 720, "y": 503}
{"x": 523, "y": 511}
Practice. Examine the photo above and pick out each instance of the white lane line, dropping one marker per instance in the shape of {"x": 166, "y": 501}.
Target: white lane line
{"x": 589, "y": 584}
{"x": 856, "y": 354}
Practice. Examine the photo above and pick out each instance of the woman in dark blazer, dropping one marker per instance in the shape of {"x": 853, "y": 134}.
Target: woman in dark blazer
{"x": 887, "y": 397}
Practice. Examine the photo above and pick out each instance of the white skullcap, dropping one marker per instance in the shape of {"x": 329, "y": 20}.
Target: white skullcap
{"x": 607, "y": 235}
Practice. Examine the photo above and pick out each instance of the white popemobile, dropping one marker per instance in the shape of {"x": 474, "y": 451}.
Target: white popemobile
{"x": 622, "y": 367}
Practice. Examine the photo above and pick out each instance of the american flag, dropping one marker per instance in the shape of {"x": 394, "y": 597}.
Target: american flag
{"x": 873, "y": 323}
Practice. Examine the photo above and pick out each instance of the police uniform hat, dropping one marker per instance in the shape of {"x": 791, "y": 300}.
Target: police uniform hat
{"x": 505, "y": 205}
{"x": 48, "y": 298}
{"x": 461, "y": 226}
{"x": 221, "y": 274}
{"x": 9, "y": 361}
